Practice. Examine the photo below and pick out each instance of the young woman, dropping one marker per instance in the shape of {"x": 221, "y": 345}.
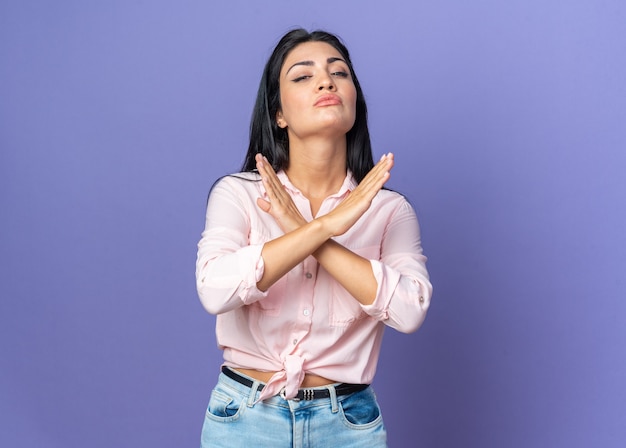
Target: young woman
{"x": 305, "y": 258}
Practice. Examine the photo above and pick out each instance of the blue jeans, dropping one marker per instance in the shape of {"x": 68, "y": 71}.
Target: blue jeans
{"x": 233, "y": 420}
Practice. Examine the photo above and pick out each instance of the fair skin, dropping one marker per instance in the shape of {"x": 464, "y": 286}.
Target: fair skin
{"x": 318, "y": 101}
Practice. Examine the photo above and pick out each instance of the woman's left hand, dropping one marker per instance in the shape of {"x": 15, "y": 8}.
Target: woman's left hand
{"x": 280, "y": 205}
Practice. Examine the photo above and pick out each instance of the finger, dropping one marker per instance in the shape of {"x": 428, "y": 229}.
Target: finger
{"x": 385, "y": 163}
{"x": 265, "y": 166}
{"x": 263, "y": 204}
{"x": 379, "y": 173}
{"x": 270, "y": 180}
{"x": 382, "y": 169}
{"x": 271, "y": 176}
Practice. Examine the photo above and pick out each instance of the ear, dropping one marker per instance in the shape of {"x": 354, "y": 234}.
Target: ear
{"x": 280, "y": 120}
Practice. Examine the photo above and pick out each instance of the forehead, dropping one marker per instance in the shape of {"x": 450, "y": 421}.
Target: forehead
{"x": 310, "y": 51}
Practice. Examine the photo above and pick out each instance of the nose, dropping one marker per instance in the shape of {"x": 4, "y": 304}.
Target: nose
{"x": 326, "y": 83}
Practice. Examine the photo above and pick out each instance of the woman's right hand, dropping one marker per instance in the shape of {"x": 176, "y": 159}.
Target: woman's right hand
{"x": 348, "y": 212}
{"x": 278, "y": 203}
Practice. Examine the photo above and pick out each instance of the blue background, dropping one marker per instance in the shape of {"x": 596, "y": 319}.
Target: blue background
{"x": 508, "y": 121}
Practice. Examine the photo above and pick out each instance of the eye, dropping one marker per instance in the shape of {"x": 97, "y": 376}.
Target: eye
{"x": 341, "y": 74}
{"x": 301, "y": 78}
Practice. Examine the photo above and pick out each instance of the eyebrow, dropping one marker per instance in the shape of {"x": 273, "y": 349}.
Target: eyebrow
{"x": 311, "y": 63}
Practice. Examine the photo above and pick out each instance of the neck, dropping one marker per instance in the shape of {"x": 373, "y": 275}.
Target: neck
{"x": 317, "y": 168}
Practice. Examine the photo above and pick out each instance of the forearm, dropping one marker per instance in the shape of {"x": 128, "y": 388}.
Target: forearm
{"x": 301, "y": 238}
{"x": 352, "y": 271}
{"x": 284, "y": 253}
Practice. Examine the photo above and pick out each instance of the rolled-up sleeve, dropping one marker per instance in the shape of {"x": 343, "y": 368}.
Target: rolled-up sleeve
{"x": 404, "y": 289}
{"x": 228, "y": 267}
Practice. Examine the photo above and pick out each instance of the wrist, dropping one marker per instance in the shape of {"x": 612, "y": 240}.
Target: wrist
{"x": 321, "y": 226}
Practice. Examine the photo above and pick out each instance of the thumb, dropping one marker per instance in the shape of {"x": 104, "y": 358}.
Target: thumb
{"x": 263, "y": 204}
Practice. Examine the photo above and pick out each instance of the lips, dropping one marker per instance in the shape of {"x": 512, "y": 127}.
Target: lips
{"x": 328, "y": 100}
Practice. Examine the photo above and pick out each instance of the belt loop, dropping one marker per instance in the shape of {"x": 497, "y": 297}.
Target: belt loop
{"x": 253, "y": 390}
{"x": 334, "y": 406}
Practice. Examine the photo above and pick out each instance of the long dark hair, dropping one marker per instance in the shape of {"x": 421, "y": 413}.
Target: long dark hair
{"x": 267, "y": 138}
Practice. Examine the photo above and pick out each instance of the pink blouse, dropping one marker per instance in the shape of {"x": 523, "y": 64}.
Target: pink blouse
{"x": 307, "y": 322}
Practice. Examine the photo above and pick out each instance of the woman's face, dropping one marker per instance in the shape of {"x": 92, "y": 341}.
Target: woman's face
{"x": 317, "y": 94}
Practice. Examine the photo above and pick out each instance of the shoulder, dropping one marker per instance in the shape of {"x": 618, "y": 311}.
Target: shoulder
{"x": 392, "y": 197}
{"x": 393, "y": 203}
{"x": 243, "y": 178}
{"x": 237, "y": 181}
{"x": 237, "y": 187}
